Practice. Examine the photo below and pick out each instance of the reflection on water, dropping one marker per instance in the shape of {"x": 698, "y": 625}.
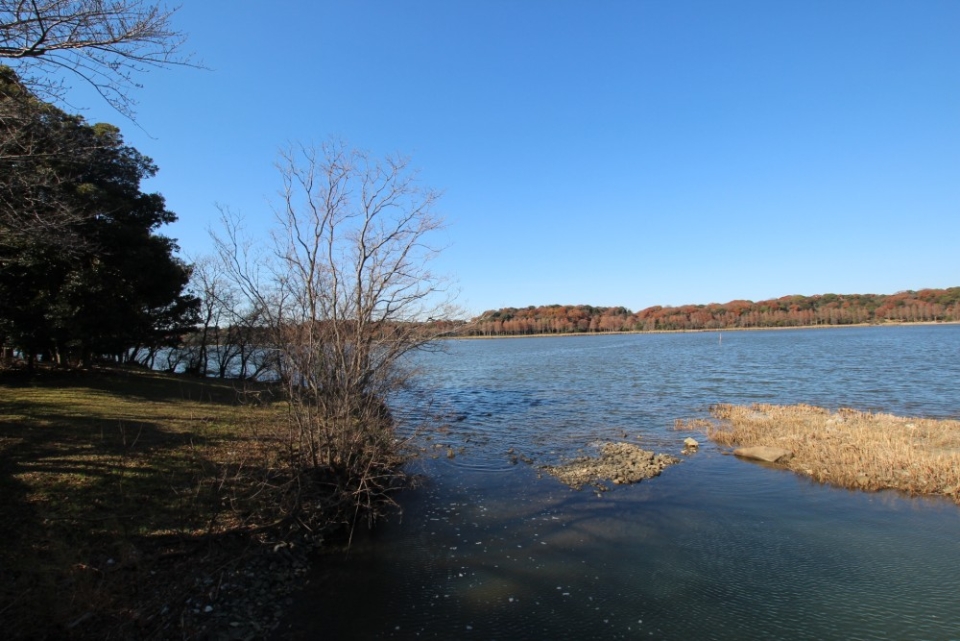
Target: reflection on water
{"x": 715, "y": 548}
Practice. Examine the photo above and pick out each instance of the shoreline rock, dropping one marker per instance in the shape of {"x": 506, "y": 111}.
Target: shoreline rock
{"x": 619, "y": 463}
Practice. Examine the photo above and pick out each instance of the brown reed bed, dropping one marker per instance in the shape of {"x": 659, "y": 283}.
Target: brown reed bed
{"x": 847, "y": 447}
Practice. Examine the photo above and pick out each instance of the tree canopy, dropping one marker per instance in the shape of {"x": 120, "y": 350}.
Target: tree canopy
{"x": 82, "y": 270}
{"x": 789, "y": 311}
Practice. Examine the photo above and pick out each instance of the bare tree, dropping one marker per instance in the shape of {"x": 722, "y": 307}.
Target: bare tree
{"x": 104, "y": 42}
{"x": 348, "y": 291}
{"x": 224, "y": 343}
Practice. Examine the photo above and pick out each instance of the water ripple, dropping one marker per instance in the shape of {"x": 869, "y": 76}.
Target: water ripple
{"x": 715, "y": 548}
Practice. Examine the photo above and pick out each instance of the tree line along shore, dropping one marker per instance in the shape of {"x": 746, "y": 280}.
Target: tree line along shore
{"x": 922, "y": 306}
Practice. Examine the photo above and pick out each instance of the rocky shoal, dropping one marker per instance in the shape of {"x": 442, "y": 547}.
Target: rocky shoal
{"x": 619, "y": 463}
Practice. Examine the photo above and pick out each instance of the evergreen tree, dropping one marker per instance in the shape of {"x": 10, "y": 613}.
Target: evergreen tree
{"x": 83, "y": 271}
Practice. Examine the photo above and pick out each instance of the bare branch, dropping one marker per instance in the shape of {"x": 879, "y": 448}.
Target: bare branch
{"x": 104, "y": 42}
{"x": 348, "y": 292}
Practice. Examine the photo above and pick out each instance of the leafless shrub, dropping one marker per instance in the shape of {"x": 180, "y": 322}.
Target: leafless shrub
{"x": 345, "y": 292}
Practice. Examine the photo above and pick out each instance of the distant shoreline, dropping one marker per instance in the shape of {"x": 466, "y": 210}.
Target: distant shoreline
{"x": 703, "y": 331}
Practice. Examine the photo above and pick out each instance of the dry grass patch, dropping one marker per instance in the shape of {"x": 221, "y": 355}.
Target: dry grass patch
{"x": 848, "y": 448}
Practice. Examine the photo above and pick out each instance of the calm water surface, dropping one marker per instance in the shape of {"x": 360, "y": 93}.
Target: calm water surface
{"x": 715, "y": 548}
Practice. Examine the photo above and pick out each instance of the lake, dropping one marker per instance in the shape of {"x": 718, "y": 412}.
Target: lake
{"x": 714, "y": 548}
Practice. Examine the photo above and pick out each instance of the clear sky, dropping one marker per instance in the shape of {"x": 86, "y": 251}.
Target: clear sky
{"x": 604, "y": 152}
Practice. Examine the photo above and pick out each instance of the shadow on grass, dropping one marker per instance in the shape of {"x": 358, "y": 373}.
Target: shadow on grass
{"x": 105, "y": 476}
{"x": 134, "y": 383}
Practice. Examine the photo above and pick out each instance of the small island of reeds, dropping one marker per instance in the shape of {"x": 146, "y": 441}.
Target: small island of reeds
{"x": 847, "y": 448}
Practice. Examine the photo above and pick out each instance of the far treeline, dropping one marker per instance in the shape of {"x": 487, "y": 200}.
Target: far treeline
{"x": 926, "y": 305}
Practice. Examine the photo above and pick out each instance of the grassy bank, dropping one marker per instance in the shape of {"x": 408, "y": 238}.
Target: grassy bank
{"x": 847, "y": 448}
{"x": 118, "y": 489}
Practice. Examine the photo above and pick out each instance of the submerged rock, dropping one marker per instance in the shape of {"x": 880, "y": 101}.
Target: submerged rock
{"x": 621, "y": 463}
{"x": 764, "y": 453}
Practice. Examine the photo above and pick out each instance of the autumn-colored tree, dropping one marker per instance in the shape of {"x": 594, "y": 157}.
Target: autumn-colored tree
{"x": 787, "y": 311}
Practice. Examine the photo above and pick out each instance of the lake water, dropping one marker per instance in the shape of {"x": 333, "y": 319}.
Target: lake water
{"x": 714, "y": 548}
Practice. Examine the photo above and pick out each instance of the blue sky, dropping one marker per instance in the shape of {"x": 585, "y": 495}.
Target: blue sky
{"x": 603, "y": 152}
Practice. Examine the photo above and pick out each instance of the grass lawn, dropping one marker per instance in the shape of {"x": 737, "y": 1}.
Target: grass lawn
{"x": 112, "y": 482}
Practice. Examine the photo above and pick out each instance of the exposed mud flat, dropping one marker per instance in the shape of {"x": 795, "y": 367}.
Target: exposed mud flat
{"x": 619, "y": 463}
